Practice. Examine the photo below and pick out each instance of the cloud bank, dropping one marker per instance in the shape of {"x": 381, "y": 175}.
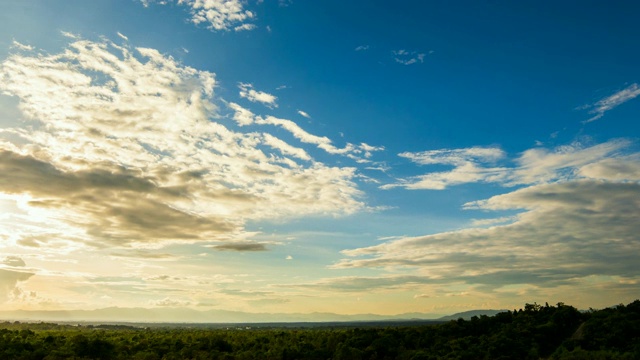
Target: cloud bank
{"x": 576, "y": 224}
{"x": 128, "y": 147}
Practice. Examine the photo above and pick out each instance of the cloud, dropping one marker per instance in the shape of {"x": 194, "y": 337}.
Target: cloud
{"x": 467, "y": 168}
{"x": 240, "y": 246}
{"x": 142, "y": 254}
{"x": 567, "y": 233}
{"x": 610, "y": 102}
{"x": 356, "y": 284}
{"x": 285, "y": 148}
{"x": 19, "y": 46}
{"x": 12, "y": 272}
{"x": 304, "y": 114}
{"x": 574, "y": 227}
{"x": 222, "y": 15}
{"x": 533, "y": 166}
{"x": 241, "y": 115}
{"x": 14, "y": 261}
{"x": 69, "y": 35}
{"x": 128, "y": 147}
{"x": 168, "y": 302}
{"x": 491, "y": 222}
{"x": 405, "y": 57}
{"x": 269, "y": 301}
{"x": 618, "y": 169}
{"x": 123, "y": 37}
{"x": 245, "y": 27}
{"x": 362, "y": 48}
{"x": 247, "y": 92}
{"x": 455, "y": 156}
{"x": 322, "y": 142}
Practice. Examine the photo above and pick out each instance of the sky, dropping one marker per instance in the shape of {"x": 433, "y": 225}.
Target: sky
{"x": 290, "y": 156}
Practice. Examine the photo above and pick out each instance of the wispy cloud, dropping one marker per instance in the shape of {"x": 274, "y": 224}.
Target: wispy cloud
{"x": 247, "y": 92}
{"x": 20, "y": 46}
{"x": 610, "y": 102}
{"x": 358, "y": 153}
{"x": 304, "y": 114}
{"x": 245, "y": 27}
{"x": 405, "y": 57}
{"x": 240, "y": 246}
{"x": 69, "y": 35}
{"x": 221, "y": 15}
{"x": 478, "y": 165}
{"x": 362, "y": 48}
{"x": 123, "y": 37}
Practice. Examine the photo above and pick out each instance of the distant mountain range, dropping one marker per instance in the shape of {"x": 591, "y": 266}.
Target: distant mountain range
{"x": 186, "y": 315}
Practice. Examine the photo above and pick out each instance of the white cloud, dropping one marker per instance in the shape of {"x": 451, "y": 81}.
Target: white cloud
{"x": 362, "y": 48}
{"x": 21, "y": 46}
{"x": 610, "y": 102}
{"x": 247, "y": 92}
{"x": 304, "y": 114}
{"x": 322, "y": 142}
{"x": 285, "y": 148}
{"x": 241, "y": 115}
{"x": 123, "y": 37}
{"x": 368, "y": 150}
{"x": 69, "y": 35}
{"x": 455, "y": 156}
{"x": 245, "y": 27}
{"x": 405, "y": 57}
{"x": 134, "y": 152}
{"x": 533, "y": 166}
{"x": 216, "y": 14}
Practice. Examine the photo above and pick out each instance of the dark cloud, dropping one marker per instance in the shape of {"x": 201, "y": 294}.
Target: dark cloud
{"x": 240, "y": 246}
{"x": 118, "y": 206}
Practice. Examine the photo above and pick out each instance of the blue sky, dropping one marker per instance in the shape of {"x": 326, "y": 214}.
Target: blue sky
{"x": 283, "y": 156}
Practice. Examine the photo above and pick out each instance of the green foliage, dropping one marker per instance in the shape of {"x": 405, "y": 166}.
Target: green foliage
{"x": 536, "y": 332}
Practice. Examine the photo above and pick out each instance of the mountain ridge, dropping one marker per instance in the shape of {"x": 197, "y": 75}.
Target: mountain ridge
{"x": 188, "y": 315}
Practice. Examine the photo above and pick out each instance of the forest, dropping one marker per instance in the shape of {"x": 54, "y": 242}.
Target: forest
{"x": 533, "y": 332}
